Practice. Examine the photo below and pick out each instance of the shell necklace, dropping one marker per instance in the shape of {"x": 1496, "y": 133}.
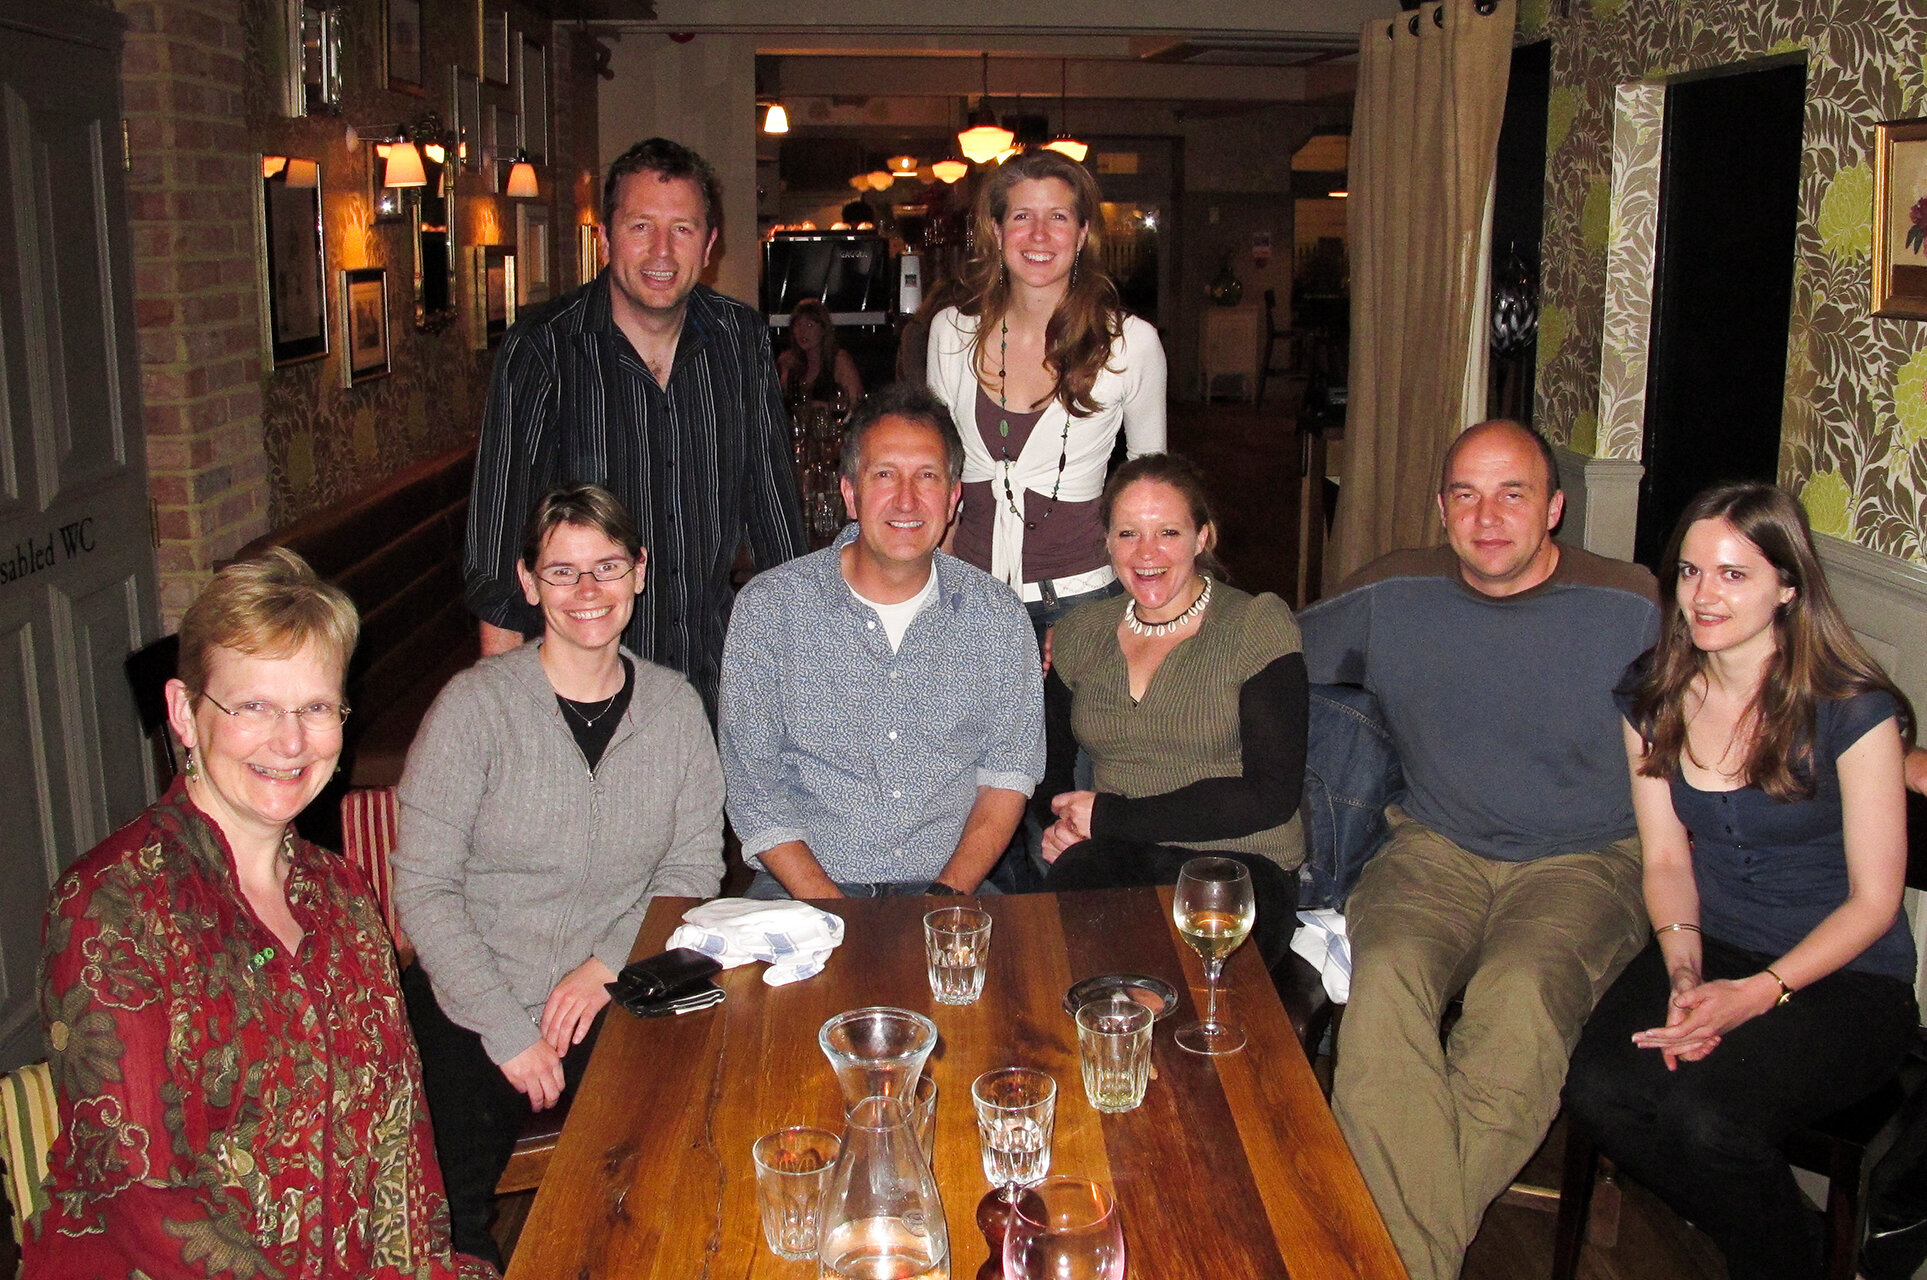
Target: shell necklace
{"x": 1139, "y": 627}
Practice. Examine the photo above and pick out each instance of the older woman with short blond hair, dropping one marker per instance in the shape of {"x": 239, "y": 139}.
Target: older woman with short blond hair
{"x": 238, "y": 1091}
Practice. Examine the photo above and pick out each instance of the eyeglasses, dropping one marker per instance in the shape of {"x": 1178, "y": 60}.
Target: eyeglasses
{"x": 262, "y": 717}
{"x": 567, "y": 575}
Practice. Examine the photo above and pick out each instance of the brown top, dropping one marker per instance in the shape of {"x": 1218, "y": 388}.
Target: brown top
{"x": 1060, "y": 538}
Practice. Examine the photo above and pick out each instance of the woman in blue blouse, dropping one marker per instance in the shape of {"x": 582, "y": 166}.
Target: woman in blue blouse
{"x": 1766, "y": 751}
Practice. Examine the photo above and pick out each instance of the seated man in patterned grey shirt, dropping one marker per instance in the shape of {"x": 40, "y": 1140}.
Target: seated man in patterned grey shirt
{"x": 882, "y": 710}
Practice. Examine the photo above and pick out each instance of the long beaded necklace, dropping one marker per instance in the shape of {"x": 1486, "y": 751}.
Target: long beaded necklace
{"x": 1003, "y": 429}
{"x": 1141, "y": 628}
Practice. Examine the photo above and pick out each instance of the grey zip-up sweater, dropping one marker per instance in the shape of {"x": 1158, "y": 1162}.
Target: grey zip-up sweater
{"x": 517, "y": 863}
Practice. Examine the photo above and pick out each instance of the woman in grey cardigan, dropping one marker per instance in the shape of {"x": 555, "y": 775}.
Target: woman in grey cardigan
{"x": 552, "y": 792}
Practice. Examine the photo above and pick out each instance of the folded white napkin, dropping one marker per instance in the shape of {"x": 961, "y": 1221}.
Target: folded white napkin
{"x": 1325, "y": 947}
{"x": 793, "y": 939}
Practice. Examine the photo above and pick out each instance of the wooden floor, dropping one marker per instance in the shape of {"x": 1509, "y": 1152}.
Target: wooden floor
{"x": 1250, "y": 459}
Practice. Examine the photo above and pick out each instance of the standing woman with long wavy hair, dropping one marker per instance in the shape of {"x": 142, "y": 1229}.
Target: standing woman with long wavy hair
{"x": 1765, "y": 748}
{"x": 1042, "y": 368}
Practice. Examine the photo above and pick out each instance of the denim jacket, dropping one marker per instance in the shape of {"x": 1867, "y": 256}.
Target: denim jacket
{"x": 1351, "y": 774}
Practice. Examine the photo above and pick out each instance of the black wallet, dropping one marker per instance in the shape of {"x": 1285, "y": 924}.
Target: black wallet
{"x": 676, "y": 981}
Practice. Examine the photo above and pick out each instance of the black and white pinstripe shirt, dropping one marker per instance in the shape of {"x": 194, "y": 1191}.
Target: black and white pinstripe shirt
{"x": 698, "y": 464}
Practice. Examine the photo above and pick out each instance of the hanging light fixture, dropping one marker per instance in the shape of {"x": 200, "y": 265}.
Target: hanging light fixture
{"x": 984, "y": 137}
{"x": 880, "y": 179}
{"x": 776, "y": 120}
{"x": 1063, "y": 142}
{"x": 949, "y": 171}
{"x": 521, "y": 184}
{"x": 903, "y": 166}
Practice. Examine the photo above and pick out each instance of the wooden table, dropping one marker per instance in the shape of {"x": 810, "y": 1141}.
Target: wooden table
{"x": 1233, "y": 1167}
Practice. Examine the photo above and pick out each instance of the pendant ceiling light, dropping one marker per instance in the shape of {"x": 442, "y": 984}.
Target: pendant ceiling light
{"x": 984, "y": 137}
{"x": 776, "y": 120}
{"x": 1063, "y": 142}
{"x": 949, "y": 171}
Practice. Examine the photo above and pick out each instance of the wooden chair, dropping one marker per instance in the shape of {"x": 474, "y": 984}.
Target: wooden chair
{"x": 1295, "y": 341}
{"x": 29, "y": 1122}
{"x": 370, "y": 829}
{"x": 1837, "y": 1146}
{"x": 148, "y": 669}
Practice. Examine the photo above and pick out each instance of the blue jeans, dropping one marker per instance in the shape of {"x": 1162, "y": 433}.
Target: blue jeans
{"x": 767, "y": 888}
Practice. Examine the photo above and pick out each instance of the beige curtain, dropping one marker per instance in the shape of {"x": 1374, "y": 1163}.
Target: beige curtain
{"x": 1425, "y": 130}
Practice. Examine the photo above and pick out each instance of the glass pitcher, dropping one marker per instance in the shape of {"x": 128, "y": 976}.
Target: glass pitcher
{"x": 881, "y": 1217}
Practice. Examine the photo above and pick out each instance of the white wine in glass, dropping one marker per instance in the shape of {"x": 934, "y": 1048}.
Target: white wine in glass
{"x": 1214, "y": 908}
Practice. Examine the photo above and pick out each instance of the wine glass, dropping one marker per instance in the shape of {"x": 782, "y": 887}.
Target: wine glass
{"x": 1064, "y": 1229}
{"x": 1214, "y": 910}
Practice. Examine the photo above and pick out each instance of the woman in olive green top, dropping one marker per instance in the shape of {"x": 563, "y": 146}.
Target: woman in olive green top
{"x": 1189, "y": 696}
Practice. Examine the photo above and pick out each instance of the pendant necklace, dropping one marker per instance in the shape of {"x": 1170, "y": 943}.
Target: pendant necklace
{"x": 1003, "y": 429}
{"x": 588, "y": 721}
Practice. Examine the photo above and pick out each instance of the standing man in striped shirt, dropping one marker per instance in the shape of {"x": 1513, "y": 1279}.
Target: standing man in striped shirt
{"x": 661, "y": 390}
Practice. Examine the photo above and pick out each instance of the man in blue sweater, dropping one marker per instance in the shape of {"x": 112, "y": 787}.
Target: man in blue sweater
{"x": 1512, "y": 876}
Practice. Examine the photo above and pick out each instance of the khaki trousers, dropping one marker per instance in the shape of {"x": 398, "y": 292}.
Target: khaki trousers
{"x": 1440, "y": 1128}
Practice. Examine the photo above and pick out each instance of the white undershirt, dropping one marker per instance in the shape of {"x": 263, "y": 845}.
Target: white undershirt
{"x": 896, "y": 617}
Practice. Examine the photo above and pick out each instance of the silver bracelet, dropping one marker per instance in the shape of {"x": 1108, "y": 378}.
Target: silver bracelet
{"x": 1683, "y": 924}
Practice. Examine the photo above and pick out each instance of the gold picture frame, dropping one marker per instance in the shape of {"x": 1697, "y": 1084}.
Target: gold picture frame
{"x": 1900, "y": 219}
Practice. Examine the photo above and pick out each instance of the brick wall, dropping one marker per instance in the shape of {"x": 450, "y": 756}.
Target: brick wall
{"x": 191, "y": 209}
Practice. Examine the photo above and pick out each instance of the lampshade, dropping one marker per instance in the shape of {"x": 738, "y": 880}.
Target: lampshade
{"x": 521, "y": 185}
{"x": 1070, "y": 147}
{"x": 776, "y": 120}
{"x": 303, "y": 175}
{"x": 881, "y": 179}
{"x": 405, "y": 167}
{"x": 435, "y": 151}
{"x": 982, "y": 142}
{"x": 903, "y": 165}
{"x": 271, "y": 165}
{"x": 949, "y": 171}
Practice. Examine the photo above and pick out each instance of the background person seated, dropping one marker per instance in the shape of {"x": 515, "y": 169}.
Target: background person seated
{"x": 1189, "y": 697}
{"x": 882, "y": 707}
{"x": 238, "y": 1094}
{"x": 1765, "y": 748}
{"x": 814, "y": 366}
{"x": 552, "y": 792}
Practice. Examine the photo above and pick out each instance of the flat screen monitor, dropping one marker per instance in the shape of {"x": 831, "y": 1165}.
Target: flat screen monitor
{"x": 850, "y": 271}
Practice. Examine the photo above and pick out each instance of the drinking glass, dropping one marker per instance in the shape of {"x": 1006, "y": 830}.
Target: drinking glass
{"x": 1114, "y": 1050}
{"x": 1064, "y": 1229}
{"x": 878, "y": 1051}
{"x": 956, "y": 947}
{"x": 1214, "y": 910}
{"x": 1016, "y": 1110}
{"x": 792, "y": 1168}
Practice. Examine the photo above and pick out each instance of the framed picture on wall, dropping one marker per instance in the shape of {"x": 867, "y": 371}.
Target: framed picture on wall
{"x": 465, "y": 119}
{"x": 291, "y": 260}
{"x": 495, "y": 44}
{"x": 535, "y": 101}
{"x": 1900, "y": 219}
{"x": 405, "y": 74}
{"x": 492, "y": 276}
{"x": 588, "y": 253}
{"x": 534, "y": 263}
{"x": 364, "y": 324}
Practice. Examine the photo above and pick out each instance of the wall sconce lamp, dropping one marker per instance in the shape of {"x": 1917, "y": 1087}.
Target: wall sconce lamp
{"x": 776, "y": 120}
{"x": 521, "y": 183}
{"x": 400, "y": 148}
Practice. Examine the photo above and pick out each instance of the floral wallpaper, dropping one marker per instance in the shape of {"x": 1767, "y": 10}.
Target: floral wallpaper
{"x": 1856, "y": 409}
{"x": 326, "y": 442}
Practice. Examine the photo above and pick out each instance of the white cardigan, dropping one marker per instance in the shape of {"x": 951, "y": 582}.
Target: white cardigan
{"x": 1130, "y": 394}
